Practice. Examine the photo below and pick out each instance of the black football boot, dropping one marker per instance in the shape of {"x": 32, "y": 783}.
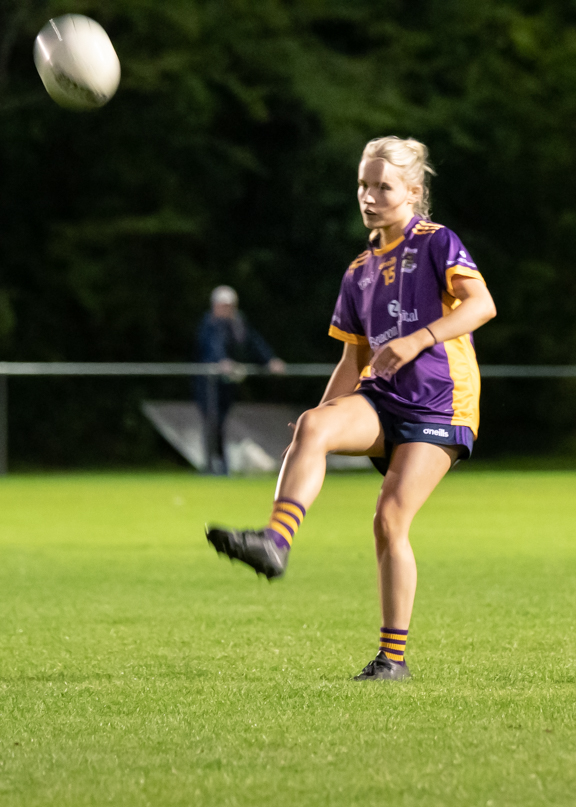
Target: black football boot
{"x": 252, "y": 547}
{"x": 383, "y": 669}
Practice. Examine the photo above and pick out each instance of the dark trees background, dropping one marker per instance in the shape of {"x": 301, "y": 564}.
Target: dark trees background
{"x": 229, "y": 155}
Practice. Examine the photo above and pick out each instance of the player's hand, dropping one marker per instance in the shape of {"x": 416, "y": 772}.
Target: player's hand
{"x": 233, "y": 370}
{"x": 226, "y": 366}
{"x": 388, "y": 359}
{"x": 277, "y": 366}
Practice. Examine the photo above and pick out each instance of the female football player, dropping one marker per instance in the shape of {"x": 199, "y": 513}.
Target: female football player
{"x": 405, "y": 392}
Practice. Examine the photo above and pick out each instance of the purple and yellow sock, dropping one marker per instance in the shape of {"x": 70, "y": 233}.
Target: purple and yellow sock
{"x": 393, "y": 643}
{"x": 287, "y": 515}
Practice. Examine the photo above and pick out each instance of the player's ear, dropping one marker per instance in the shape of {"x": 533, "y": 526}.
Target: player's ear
{"x": 415, "y": 193}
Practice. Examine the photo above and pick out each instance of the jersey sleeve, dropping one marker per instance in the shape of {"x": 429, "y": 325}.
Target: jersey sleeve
{"x": 346, "y": 325}
{"x": 452, "y": 258}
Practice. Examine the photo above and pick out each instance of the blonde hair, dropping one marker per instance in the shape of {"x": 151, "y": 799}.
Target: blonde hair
{"x": 411, "y": 157}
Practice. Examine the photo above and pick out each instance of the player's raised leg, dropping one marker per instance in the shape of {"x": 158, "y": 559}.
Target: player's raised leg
{"x": 415, "y": 470}
{"x": 349, "y": 425}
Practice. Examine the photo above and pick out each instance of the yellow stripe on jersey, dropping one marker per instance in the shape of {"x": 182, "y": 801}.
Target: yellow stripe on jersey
{"x": 343, "y": 336}
{"x": 464, "y": 372}
{"x": 465, "y": 375}
{"x": 367, "y": 372}
{"x": 462, "y": 363}
{"x": 284, "y": 531}
{"x": 463, "y": 271}
{"x": 389, "y": 247}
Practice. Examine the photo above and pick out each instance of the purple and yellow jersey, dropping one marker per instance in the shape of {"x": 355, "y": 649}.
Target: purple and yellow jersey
{"x": 392, "y": 291}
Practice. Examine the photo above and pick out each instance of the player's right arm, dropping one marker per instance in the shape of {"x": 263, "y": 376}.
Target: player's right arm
{"x": 346, "y": 326}
{"x": 346, "y": 375}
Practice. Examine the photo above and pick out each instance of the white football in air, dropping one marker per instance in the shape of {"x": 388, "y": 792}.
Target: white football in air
{"x": 77, "y": 62}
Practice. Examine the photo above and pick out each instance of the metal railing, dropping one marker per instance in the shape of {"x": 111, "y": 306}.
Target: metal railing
{"x": 213, "y": 372}
{"x": 189, "y": 369}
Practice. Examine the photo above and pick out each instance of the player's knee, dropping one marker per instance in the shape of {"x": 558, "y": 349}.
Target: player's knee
{"x": 310, "y": 428}
{"x": 389, "y": 529}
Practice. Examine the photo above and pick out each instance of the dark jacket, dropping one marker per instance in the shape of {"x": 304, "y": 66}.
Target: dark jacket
{"x": 234, "y": 339}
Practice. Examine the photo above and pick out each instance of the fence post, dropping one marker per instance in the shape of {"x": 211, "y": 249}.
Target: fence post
{"x": 3, "y": 425}
{"x": 212, "y": 424}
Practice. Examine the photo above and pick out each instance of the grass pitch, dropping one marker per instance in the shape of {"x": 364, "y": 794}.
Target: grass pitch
{"x": 138, "y": 669}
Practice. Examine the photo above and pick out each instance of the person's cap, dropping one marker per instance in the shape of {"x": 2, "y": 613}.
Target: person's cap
{"x": 224, "y": 295}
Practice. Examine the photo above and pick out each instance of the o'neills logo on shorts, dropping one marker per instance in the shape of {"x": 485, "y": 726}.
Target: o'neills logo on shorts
{"x": 403, "y": 316}
{"x": 436, "y": 432}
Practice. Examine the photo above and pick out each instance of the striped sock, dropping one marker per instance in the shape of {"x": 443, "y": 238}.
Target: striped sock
{"x": 393, "y": 643}
{"x": 287, "y": 515}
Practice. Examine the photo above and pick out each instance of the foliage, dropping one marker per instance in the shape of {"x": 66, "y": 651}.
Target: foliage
{"x": 229, "y": 155}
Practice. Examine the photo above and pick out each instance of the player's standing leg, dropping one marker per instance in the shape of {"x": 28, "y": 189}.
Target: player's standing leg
{"x": 415, "y": 470}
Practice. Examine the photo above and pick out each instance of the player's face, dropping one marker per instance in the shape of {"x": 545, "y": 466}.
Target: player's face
{"x": 224, "y": 310}
{"x": 385, "y": 199}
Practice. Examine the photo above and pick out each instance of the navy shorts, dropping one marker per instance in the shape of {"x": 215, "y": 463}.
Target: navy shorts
{"x": 397, "y": 431}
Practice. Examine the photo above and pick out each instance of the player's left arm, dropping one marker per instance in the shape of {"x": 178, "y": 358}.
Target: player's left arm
{"x": 476, "y": 308}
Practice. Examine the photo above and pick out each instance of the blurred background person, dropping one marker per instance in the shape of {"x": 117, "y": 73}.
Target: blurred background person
{"x": 225, "y": 338}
